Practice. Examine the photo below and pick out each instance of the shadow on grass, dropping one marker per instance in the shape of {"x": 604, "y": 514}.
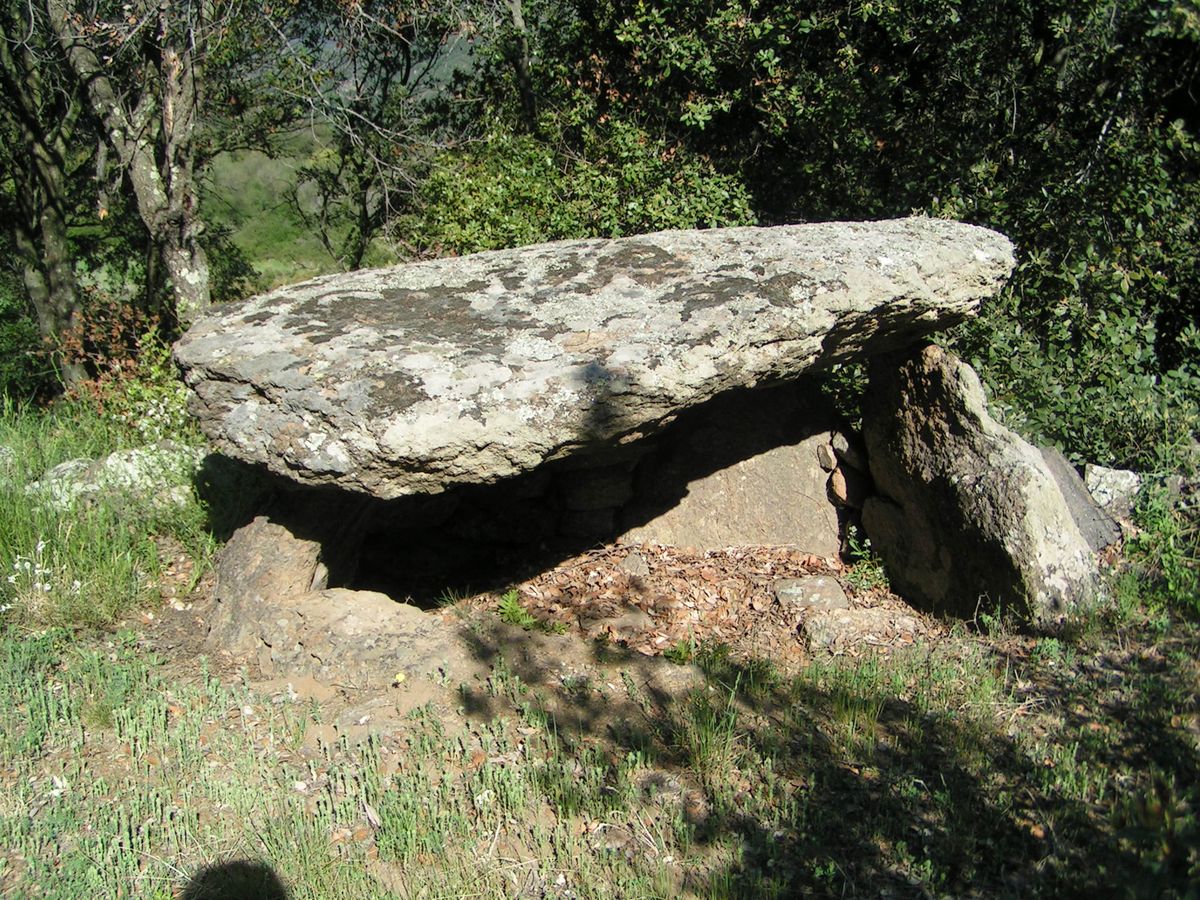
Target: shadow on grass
{"x": 239, "y": 879}
{"x": 845, "y": 787}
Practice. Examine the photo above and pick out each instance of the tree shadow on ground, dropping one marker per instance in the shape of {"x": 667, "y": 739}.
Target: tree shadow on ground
{"x": 845, "y": 788}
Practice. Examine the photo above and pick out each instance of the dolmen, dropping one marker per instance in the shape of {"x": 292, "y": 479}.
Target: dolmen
{"x": 528, "y": 394}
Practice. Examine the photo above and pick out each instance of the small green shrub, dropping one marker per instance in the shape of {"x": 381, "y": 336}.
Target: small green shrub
{"x": 682, "y": 652}
{"x": 511, "y": 190}
{"x": 867, "y": 572}
{"x": 1167, "y": 551}
{"x": 511, "y": 612}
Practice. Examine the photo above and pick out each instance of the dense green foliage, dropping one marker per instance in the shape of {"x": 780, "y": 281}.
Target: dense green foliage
{"x": 511, "y": 190}
{"x": 23, "y": 369}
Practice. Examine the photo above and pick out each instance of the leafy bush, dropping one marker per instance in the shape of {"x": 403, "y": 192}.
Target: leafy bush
{"x": 511, "y": 190}
{"x": 134, "y": 385}
{"x": 1167, "y": 551}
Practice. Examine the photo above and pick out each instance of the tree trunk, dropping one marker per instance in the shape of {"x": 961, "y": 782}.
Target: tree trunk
{"x": 187, "y": 264}
{"x": 43, "y": 119}
{"x": 49, "y": 276}
{"x": 151, "y": 126}
{"x": 519, "y": 56}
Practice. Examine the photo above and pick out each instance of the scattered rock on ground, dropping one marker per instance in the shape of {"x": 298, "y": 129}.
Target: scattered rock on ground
{"x": 159, "y": 475}
{"x": 968, "y": 514}
{"x": 634, "y": 564}
{"x": 855, "y": 630}
{"x": 826, "y": 458}
{"x": 1115, "y": 490}
{"x": 811, "y": 592}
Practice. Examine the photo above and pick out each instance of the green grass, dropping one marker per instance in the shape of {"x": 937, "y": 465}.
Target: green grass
{"x": 512, "y": 612}
{"x": 248, "y": 195}
{"x": 92, "y": 564}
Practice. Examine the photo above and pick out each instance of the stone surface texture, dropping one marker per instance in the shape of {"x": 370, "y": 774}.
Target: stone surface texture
{"x": 338, "y": 635}
{"x": 410, "y": 379}
{"x": 810, "y": 592}
{"x": 840, "y": 630}
{"x": 969, "y": 516}
{"x": 1115, "y": 490}
{"x": 747, "y": 473}
{"x": 1098, "y": 528}
{"x": 158, "y": 475}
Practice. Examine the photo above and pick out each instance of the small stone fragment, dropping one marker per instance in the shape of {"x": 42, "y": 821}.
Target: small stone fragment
{"x": 849, "y": 452}
{"x": 826, "y": 457}
{"x": 634, "y": 564}
{"x": 810, "y": 592}
{"x": 1114, "y": 489}
{"x": 849, "y": 487}
{"x": 625, "y": 626}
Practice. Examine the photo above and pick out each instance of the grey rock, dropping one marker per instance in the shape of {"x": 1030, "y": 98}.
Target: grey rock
{"x": 358, "y": 638}
{"x": 634, "y": 564}
{"x": 468, "y": 370}
{"x": 1098, "y": 528}
{"x": 307, "y": 541}
{"x": 826, "y": 458}
{"x": 261, "y": 562}
{"x": 1115, "y": 490}
{"x": 747, "y": 475}
{"x": 159, "y": 475}
{"x": 849, "y": 451}
{"x": 968, "y": 514}
{"x": 810, "y": 592}
{"x": 625, "y": 626}
{"x": 835, "y": 630}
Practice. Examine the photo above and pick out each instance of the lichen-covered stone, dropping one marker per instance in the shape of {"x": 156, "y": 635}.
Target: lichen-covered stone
{"x": 969, "y": 517}
{"x": 409, "y": 379}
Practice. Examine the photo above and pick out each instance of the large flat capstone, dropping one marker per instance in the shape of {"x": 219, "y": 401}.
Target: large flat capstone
{"x": 410, "y": 379}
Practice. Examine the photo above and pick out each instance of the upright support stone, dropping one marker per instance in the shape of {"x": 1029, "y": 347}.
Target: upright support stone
{"x": 969, "y": 516}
